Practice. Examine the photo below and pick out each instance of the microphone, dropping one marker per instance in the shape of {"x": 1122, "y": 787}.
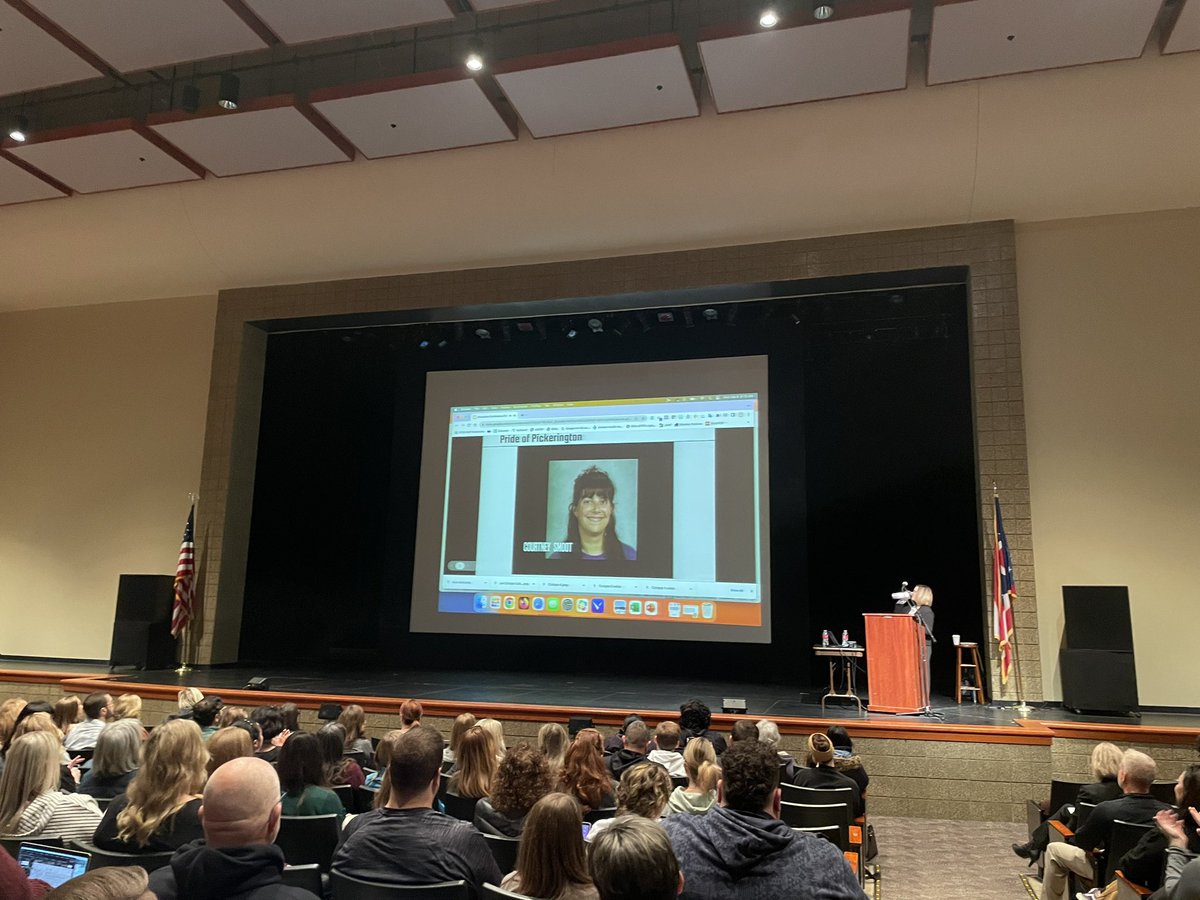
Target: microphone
{"x": 904, "y": 593}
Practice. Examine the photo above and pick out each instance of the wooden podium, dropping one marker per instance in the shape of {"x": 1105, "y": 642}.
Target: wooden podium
{"x": 895, "y": 669}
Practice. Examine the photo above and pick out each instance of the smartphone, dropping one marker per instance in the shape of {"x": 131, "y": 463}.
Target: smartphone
{"x": 587, "y": 826}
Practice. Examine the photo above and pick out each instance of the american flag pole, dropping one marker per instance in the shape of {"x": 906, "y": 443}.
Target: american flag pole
{"x": 1023, "y": 708}
{"x": 186, "y": 568}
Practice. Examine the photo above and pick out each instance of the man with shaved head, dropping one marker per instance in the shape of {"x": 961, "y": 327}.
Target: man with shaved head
{"x": 237, "y": 860}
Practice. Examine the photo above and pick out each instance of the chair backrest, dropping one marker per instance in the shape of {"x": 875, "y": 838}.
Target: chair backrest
{"x": 103, "y": 858}
{"x": 1082, "y": 811}
{"x": 1062, "y": 793}
{"x": 679, "y": 781}
{"x": 490, "y": 890}
{"x": 345, "y": 793}
{"x": 364, "y": 799}
{"x": 460, "y": 807}
{"x": 309, "y": 839}
{"x": 346, "y": 887}
{"x": 595, "y": 815}
{"x": 794, "y": 793}
{"x": 103, "y": 802}
{"x": 364, "y": 761}
{"x": 12, "y": 844}
{"x": 1163, "y": 792}
{"x": 504, "y": 850}
{"x": 831, "y": 833}
{"x": 813, "y": 815}
{"x": 307, "y": 878}
{"x": 1123, "y": 838}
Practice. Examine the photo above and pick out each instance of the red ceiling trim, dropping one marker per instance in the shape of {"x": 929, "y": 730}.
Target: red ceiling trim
{"x": 67, "y": 190}
{"x": 64, "y": 37}
{"x": 254, "y": 23}
{"x": 383, "y": 85}
{"x": 748, "y": 27}
{"x": 170, "y": 149}
{"x": 582, "y": 54}
{"x": 326, "y": 128}
{"x": 258, "y": 104}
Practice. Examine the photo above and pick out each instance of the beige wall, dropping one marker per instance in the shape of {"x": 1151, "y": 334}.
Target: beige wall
{"x": 1110, "y": 319}
{"x": 102, "y": 412}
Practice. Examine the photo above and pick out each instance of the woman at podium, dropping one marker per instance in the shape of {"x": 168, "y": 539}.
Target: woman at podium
{"x": 920, "y": 606}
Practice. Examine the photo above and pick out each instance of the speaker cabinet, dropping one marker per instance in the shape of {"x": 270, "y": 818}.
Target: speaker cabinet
{"x": 1097, "y": 618}
{"x": 1098, "y": 681}
{"x": 142, "y": 629}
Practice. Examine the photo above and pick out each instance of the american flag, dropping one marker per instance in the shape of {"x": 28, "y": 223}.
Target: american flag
{"x": 185, "y": 577}
{"x": 1003, "y": 590}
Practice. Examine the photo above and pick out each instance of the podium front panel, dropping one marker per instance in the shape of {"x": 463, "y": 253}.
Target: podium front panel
{"x": 894, "y": 667}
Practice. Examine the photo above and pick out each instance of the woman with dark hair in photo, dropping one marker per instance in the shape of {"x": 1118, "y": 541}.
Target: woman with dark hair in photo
{"x": 340, "y": 769}
{"x": 551, "y": 861}
{"x": 584, "y": 775}
{"x": 522, "y": 778}
{"x": 304, "y": 778}
{"x": 592, "y": 520}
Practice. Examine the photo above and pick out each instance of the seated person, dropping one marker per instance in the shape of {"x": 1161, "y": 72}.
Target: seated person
{"x": 551, "y": 861}
{"x": 238, "y": 856}
{"x": 31, "y": 803}
{"x": 161, "y": 808}
{"x": 126, "y": 706}
{"x": 377, "y": 780}
{"x": 633, "y": 749}
{"x": 522, "y": 779}
{"x": 68, "y": 712}
{"x": 353, "y": 718}
{"x": 768, "y": 733}
{"x": 633, "y": 860}
{"x": 410, "y": 715}
{"x": 844, "y": 759}
{"x": 694, "y": 719}
{"x": 644, "y": 791}
{"x": 205, "y": 715}
{"x": 461, "y": 723}
{"x": 666, "y": 737}
{"x": 741, "y": 850}
{"x": 228, "y": 715}
{"x": 818, "y": 771}
{"x": 115, "y": 763}
{"x": 16, "y": 885}
{"x": 406, "y": 842}
{"x": 584, "y": 775}
{"x": 700, "y": 764}
{"x": 274, "y": 735}
{"x": 68, "y": 773}
{"x": 552, "y": 740}
{"x": 228, "y": 743}
{"x": 108, "y": 883}
{"x": 340, "y": 769}
{"x": 476, "y": 765}
{"x": 1181, "y": 876}
{"x": 615, "y": 742}
{"x": 304, "y": 776}
{"x": 97, "y": 709}
{"x": 743, "y": 730}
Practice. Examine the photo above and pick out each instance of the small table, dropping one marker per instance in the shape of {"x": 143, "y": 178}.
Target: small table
{"x": 848, "y": 656}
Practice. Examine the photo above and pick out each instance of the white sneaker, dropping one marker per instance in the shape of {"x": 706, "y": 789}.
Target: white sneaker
{"x": 1093, "y": 894}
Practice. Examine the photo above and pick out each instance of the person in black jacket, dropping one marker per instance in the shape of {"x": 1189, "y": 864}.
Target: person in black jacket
{"x": 1144, "y": 863}
{"x": 633, "y": 752}
{"x": 237, "y": 858}
{"x": 522, "y": 779}
{"x": 818, "y": 771}
{"x": 694, "y": 719}
{"x": 1106, "y": 762}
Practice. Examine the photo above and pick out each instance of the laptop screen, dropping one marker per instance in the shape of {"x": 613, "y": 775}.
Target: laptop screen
{"x": 52, "y": 865}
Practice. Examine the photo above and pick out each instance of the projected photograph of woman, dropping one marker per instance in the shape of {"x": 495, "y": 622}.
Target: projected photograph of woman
{"x": 591, "y": 520}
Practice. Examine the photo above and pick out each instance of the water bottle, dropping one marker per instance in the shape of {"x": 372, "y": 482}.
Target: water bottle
{"x": 825, "y": 638}
{"x": 845, "y": 638}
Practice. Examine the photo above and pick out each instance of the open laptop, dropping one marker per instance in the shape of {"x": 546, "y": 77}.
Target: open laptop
{"x": 53, "y": 865}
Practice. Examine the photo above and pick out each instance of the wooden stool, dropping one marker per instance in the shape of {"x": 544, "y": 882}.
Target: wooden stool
{"x": 976, "y": 665}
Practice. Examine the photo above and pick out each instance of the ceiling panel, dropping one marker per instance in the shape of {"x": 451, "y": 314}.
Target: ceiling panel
{"x": 979, "y": 38}
{"x": 607, "y": 91}
{"x": 139, "y": 34}
{"x": 296, "y": 21}
{"x": 1185, "y": 35}
{"x": 395, "y": 118}
{"x": 104, "y": 161}
{"x": 19, "y": 186}
{"x": 262, "y": 140}
{"x": 862, "y": 55}
{"x": 30, "y": 58}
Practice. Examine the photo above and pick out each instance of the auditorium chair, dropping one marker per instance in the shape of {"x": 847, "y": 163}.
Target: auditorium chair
{"x": 364, "y": 799}
{"x": 504, "y": 850}
{"x": 490, "y": 890}
{"x": 1059, "y": 832}
{"x": 818, "y": 815}
{"x": 595, "y": 815}
{"x": 103, "y": 858}
{"x": 345, "y": 793}
{"x": 103, "y": 802}
{"x": 831, "y": 833}
{"x": 12, "y": 844}
{"x": 1163, "y": 792}
{"x": 679, "y": 781}
{"x": 309, "y": 839}
{"x": 307, "y": 878}
{"x": 1127, "y": 890}
{"x": 346, "y": 887}
{"x": 460, "y": 807}
{"x": 364, "y": 761}
{"x": 1125, "y": 836}
{"x": 1061, "y": 794}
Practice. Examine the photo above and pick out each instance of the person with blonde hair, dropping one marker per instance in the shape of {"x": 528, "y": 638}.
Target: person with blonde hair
{"x": 463, "y": 722}
{"x": 9, "y": 710}
{"x": 227, "y": 743}
{"x": 476, "y": 765}
{"x": 68, "y": 712}
{"x": 378, "y": 781}
{"x": 68, "y": 765}
{"x": 700, "y": 765}
{"x": 31, "y": 804}
{"x": 126, "y": 706}
{"x": 353, "y": 718}
{"x": 494, "y": 728}
{"x": 551, "y": 861}
{"x": 920, "y": 607}
{"x": 188, "y": 698}
{"x": 666, "y": 753}
{"x": 552, "y": 741}
{"x": 643, "y": 791}
{"x": 108, "y": 883}
{"x": 230, "y": 714}
{"x": 160, "y": 810}
{"x": 115, "y": 763}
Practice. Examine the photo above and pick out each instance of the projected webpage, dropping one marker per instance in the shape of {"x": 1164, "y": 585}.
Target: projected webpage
{"x": 639, "y": 510}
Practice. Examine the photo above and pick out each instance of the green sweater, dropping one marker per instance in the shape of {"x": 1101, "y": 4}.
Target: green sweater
{"x": 314, "y": 801}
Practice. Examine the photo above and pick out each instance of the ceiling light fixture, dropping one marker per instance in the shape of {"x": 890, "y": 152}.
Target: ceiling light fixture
{"x": 711, "y": 315}
{"x": 230, "y": 88}
{"x": 20, "y": 130}
{"x": 474, "y": 58}
{"x": 822, "y": 10}
{"x": 596, "y": 325}
{"x": 768, "y": 18}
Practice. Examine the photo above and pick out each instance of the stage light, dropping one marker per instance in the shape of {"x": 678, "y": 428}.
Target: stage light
{"x": 768, "y": 18}
{"x": 733, "y": 705}
{"x": 596, "y": 325}
{"x": 20, "y": 130}
{"x": 190, "y": 99}
{"x": 227, "y": 98}
{"x": 474, "y": 58}
{"x": 711, "y": 315}
{"x": 822, "y": 10}
{"x": 258, "y": 684}
{"x": 483, "y": 334}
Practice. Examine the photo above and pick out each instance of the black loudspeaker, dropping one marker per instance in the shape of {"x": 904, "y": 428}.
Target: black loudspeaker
{"x": 258, "y": 683}
{"x": 142, "y": 628}
{"x": 1099, "y": 681}
{"x": 1097, "y": 618}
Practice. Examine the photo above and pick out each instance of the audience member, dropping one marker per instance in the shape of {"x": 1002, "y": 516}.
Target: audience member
{"x": 845, "y": 761}
{"x": 188, "y": 698}
{"x": 743, "y": 730}
{"x": 97, "y": 709}
{"x": 68, "y": 774}
{"x": 161, "y": 809}
{"x": 15, "y": 884}
{"x": 633, "y": 750}
{"x": 228, "y": 743}
{"x": 694, "y": 719}
{"x": 115, "y": 763}
{"x": 341, "y": 769}
{"x": 1181, "y": 877}
{"x": 1105, "y": 764}
{"x": 68, "y": 712}
{"x": 205, "y": 715}
{"x": 592, "y": 736}
{"x": 9, "y": 710}
{"x": 31, "y": 803}
{"x": 551, "y": 862}
{"x": 305, "y": 778}
{"x": 552, "y": 740}
{"x": 496, "y": 730}
{"x": 228, "y": 715}
{"x": 378, "y": 780}
{"x": 666, "y": 754}
{"x": 700, "y": 766}
{"x": 476, "y": 765}
{"x": 457, "y": 730}
{"x": 290, "y": 713}
{"x": 254, "y": 731}
{"x": 634, "y": 860}
{"x": 410, "y": 715}
{"x": 238, "y": 859}
{"x": 109, "y": 883}
{"x": 818, "y": 771}
{"x": 406, "y": 842}
{"x": 522, "y": 778}
{"x": 644, "y": 791}
{"x": 740, "y": 849}
{"x": 615, "y": 742}
{"x": 1144, "y": 863}
{"x": 768, "y": 733}
{"x": 584, "y": 775}
{"x": 270, "y": 722}
{"x": 126, "y": 706}
{"x": 1136, "y": 806}
{"x": 353, "y": 718}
